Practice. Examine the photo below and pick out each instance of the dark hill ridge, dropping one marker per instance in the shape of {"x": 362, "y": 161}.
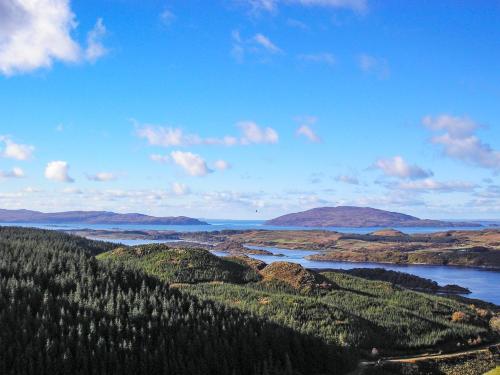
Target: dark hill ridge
{"x": 91, "y": 217}
{"x": 350, "y": 216}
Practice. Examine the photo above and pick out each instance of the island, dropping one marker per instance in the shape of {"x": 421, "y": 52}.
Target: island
{"x": 92, "y": 217}
{"x": 358, "y": 217}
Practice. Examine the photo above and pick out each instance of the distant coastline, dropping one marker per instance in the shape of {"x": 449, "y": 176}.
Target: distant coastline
{"x": 92, "y": 217}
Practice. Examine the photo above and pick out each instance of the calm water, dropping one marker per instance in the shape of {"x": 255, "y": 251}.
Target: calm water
{"x": 484, "y": 284}
{"x": 215, "y": 225}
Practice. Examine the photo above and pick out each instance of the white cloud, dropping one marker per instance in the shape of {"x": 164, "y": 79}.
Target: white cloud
{"x": 58, "y": 171}
{"x": 193, "y": 164}
{"x": 398, "y": 167}
{"x": 253, "y": 133}
{"x": 14, "y": 150}
{"x": 271, "y": 5}
{"x": 14, "y": 173}
{"x": 305, "y": 128}
{"x": 169, "y": 137}
{"x": 323, "y": 58}
{"x": 180, "y": 189}
{"x": 36, "y": 33}
{"x": 160, "y": 158}
{"x": 265, "y": 42}
{"x": 259, "y": 45}
{"x": 459, "y": 141}
{"x": 374, "y": 65}
{"x": 166, "y": 136}
{"x": 353, "y": 180}
{"x": 430, "y": 184}
{"x": 102, "y": 177}
{"x": 306, "y": 131}
{"x": 222, "y": 165}
{"x": 95, "y": 48}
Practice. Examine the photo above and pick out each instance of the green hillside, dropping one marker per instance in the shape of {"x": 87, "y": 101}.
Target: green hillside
{"x": 338, "y": 308}
{"x": 64, "y": 312}
{"x": 182, "y": 265}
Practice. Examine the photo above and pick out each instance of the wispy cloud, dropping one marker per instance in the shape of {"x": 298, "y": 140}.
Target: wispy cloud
{"x": 258, "y": 45}
{"x": 58, "y": 171}
{"x": 271, "y": 5}
{"x": 347, "y": 179}
{"x": 318, "y": 58}
{"x": 179, "y": 189}
{"x": 36, "y": 34}
{"x": 305, "y": 128}
{"x": 102, "y": 177}
{"x": 95, "y": 49}
{"x": 430, "y": 184}
{"x": 160, "y": 158}
{"x": 398, "y": 167}
{"x": 266, "y": 43}
{"x": 457, "y": 136}
{"x": 374, "y": 65}
{"x": 167, "y": 17}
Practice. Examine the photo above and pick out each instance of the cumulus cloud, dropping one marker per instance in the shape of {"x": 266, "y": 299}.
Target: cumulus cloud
{"x": 457, "y": 136}
{"x": 430, "y": 184}
{"x": 180, "y": 189}
{"x": 17, "y": 151}
{"x": 34, "y": 34}
{"x": 374, "y": 65}
{"x": 58, "y": 171}
{"x": 102, "y": 177}
{"x": 398, "y": 167}
{"x": 251, "y": 133}
{"x": 14, "y": 173}
{"x": 322, "y": 58}
{"x": 353, "y": 180}
{"x": 192, "y": 164}
{"x": 222, "y": 165}
{"x": 271, "y": 5}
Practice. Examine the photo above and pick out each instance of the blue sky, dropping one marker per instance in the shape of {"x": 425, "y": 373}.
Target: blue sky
{"x": 250, "y": 108}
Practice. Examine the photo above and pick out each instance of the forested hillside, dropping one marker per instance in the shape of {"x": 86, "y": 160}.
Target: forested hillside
{"x": 64, "y": 312}
{"x": 339, "y": 308}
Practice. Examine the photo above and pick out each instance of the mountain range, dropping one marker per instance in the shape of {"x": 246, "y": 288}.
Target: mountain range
{"x": 350, "y": 216}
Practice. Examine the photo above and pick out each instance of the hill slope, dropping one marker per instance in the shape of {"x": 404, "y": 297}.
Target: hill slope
{"x": 338, "y": 308}
{"x": 182, "y": 265}
{"x": 350, "y": 216}
{"x": 91, "y": 217}
{"x": 63, "y": 312}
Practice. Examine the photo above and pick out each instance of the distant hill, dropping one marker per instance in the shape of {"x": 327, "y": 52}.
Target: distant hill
{"x": 91, "y": 217}
{"x": 350, "y": 216}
